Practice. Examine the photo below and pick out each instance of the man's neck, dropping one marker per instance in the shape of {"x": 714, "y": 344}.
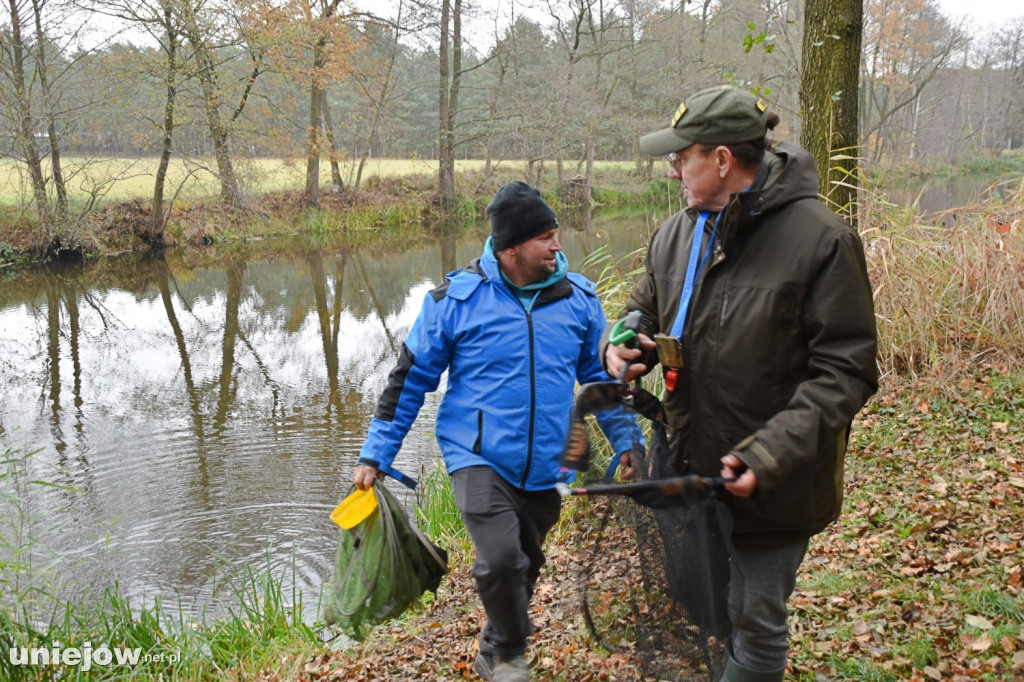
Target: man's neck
{"x": 512, "y": 273}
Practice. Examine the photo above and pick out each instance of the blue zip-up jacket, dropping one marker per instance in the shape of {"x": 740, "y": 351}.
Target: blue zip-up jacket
{"x": 511, "y": 378}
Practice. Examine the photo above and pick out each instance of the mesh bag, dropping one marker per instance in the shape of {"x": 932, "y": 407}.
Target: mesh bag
{"x": 671, "y": 611}
{"x": 383, "y": 565}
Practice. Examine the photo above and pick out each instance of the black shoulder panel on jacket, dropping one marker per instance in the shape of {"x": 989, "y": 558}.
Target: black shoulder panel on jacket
{"x": 556, "y": 292}
{"x": 396, "y": 381}
{"x": 439, "y": 292}
{"x": 473, "y": 268}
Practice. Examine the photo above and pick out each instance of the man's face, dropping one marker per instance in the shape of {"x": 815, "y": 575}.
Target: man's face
{"x": 535, "y": 258}
{"x": 698, "y": 169}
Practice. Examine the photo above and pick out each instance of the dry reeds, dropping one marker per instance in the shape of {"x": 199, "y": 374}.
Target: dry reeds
{"x": 949, "y": 291}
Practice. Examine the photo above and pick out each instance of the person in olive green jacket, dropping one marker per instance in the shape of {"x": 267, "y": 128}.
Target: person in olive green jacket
{"x": 757, "y": 304}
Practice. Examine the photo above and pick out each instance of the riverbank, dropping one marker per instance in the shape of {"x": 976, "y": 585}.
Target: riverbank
{"x": 923, "y": 569}
{"x": 397, "y": 202}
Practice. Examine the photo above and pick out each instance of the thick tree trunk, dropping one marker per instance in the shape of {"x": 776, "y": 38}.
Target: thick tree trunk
{"x": 828, "y": 96}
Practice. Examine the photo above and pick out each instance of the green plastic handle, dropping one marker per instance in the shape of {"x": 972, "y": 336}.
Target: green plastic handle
{"x": 625, "y": 329}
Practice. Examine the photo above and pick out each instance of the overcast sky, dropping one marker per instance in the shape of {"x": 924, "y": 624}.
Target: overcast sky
{"x": 983, "y": 13}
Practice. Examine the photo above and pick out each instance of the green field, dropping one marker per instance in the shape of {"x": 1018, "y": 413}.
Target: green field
{"x": 116, "y": 179}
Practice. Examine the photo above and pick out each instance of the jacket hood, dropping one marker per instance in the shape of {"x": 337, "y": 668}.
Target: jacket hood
{"x": 791, "y": 175}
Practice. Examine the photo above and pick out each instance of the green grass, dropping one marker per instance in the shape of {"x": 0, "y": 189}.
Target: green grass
{"x": 128, "y": 178}
{"x": 439, "y": 517}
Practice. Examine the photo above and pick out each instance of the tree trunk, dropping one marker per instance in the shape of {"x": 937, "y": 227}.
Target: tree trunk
{"x": 212, "y": 95}
{"x": 25, "y": 126}
{"x": 51, "y": 129}
{"x": 218, "y": 131}
{"x": 828, "y": 96}
{"x": 450, "y": 75}
{"x": 156, "y": 220}
{"x": 315, "y": 124}
{"x": 332, "y": 148}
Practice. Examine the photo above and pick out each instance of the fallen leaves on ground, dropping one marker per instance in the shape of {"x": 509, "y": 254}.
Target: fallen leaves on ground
{"x": 921, "y": 578}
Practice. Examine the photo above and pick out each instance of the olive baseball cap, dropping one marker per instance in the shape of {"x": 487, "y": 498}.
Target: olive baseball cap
{"x": 719, "y": 115}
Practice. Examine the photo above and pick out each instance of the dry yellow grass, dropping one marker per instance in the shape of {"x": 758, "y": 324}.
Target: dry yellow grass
{"x": 126, "y": 178}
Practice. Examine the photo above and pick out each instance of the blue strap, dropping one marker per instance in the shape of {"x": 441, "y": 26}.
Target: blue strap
{"x": 692, "y": 268}
{"x": 405, "y": 479}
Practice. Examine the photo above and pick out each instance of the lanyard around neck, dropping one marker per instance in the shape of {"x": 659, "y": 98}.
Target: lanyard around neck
{"x": 693, "y": 268}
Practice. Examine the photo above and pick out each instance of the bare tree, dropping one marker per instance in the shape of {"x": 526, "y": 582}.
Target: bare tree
{"x": 207, "y": 31}
{"x": 449, "y": 82}
{"x": 907, "y": 43}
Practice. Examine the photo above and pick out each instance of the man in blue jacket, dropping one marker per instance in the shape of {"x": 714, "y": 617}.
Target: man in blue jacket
{"x": 516, "y": 331}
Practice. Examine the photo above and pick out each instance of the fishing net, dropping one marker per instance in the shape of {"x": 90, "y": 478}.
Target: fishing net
{"x": 663, "y": 599}
{"x": 383, "y": 565}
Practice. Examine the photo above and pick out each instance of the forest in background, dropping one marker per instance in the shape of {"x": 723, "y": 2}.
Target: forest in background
{"x": 211, "y": 83}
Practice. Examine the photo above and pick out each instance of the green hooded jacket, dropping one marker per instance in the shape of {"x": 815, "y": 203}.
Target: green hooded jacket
{"x": 779, "y": 347}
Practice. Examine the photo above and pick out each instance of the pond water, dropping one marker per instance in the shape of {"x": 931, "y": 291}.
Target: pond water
{"x": 935, "y": 195}
{"x": 205, "y": 409}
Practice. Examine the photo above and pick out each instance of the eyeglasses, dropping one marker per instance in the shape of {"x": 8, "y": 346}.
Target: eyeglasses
{"x": 673, "y": 157}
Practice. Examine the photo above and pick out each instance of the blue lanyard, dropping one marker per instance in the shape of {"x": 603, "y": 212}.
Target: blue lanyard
{"x": 692, "y": 268}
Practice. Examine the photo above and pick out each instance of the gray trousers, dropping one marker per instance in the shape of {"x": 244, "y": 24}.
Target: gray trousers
{"x": 508, "y": 527}
{"x": 761, "y": 581}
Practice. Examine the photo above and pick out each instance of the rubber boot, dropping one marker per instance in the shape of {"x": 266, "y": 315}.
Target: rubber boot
{"x": 734, "y": 672}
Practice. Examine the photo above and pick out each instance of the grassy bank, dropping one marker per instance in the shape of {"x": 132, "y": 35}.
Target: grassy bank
{"x": 46, "y": 636}
{"x": 109, "y": 206}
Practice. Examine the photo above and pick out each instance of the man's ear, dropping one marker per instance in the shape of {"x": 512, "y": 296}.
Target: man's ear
{"x": 725, "y": 160}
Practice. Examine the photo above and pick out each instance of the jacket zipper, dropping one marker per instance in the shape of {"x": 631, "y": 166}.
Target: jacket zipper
{"x": 533, "y": 402}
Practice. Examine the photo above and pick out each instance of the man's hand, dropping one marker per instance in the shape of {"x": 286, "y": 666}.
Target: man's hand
{"x": 616, "y": 356}
{"x": 364, "y": 475}
{"x": 627, "y": 466}
{"x": 746, "y": 484}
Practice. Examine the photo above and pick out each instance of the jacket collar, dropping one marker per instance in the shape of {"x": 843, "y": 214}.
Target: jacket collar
{"x": 487, "y": 266}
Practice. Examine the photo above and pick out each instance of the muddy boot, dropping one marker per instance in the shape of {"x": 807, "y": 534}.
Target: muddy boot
{"x": 483, "y": 665}
{"x": 511, "y": 669}
{"x": 734, "y": 672}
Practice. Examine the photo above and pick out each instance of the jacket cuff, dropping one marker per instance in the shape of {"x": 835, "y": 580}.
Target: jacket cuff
{"x": 366, "y": 461}
{"x": 757, "y": 457}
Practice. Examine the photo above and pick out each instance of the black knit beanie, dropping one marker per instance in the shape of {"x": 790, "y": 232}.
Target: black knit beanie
{"x": 518, "y": 214}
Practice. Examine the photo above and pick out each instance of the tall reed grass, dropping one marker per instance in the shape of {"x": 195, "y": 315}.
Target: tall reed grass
{"x": 439, "y": 517}
{"x": 950, "y": 291}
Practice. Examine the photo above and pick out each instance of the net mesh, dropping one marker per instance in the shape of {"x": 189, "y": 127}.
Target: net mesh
{"x": 667, "y": 605}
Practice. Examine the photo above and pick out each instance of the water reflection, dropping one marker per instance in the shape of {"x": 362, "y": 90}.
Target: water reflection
{"x": 931, "y": 196}
{"x": 203, "y": 407}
